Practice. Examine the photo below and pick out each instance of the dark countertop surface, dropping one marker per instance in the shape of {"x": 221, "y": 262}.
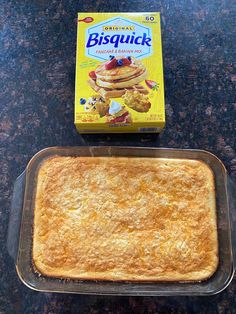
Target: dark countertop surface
{"x": 37, "y": 72}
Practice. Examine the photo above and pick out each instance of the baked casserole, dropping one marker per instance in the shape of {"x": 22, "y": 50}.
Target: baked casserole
{"x": 125, "y": 218}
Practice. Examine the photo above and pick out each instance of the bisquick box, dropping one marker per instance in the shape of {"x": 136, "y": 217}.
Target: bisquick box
{"x": 119, "y": 73}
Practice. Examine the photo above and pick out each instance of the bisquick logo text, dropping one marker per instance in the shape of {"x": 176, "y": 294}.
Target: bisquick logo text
{"x": 99, "y": 39}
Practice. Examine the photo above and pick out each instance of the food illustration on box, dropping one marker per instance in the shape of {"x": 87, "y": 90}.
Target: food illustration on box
{"x": 113, "y": 78}
{"x": 119, "y": 75}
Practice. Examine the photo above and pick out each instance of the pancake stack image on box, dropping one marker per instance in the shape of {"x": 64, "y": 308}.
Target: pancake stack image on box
{"x": 113, "y": 78}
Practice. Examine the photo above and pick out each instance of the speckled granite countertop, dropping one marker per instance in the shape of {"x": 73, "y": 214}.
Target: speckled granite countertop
{"x": 37, "y": 92}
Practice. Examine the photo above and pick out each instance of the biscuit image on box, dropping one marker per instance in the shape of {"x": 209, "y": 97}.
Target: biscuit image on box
{"x": 113, "y": 77}
{"x": 136, "y": 100}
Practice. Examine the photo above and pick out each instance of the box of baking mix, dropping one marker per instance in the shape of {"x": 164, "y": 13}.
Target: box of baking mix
{"x": 119, "y": 73}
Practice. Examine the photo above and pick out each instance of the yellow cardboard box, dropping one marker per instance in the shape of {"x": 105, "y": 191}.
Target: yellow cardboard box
{"x": 119, "y": 73}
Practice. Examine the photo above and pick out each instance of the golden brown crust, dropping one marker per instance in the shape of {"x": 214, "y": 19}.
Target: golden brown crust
{"x": 118, "y": 218}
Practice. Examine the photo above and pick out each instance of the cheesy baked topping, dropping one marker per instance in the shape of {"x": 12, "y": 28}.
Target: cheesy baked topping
{"x": 118, "y": 218}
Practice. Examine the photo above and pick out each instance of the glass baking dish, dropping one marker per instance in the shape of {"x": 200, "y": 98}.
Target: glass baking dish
{"x": 22, "y": 214}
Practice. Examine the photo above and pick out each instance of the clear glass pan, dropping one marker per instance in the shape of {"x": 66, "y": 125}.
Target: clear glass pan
{"x": 22, "y": 214}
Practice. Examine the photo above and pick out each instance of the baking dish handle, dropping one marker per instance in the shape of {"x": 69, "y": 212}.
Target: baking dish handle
{"x": 15, "y": 216}
{"x": 232, "y": 206}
